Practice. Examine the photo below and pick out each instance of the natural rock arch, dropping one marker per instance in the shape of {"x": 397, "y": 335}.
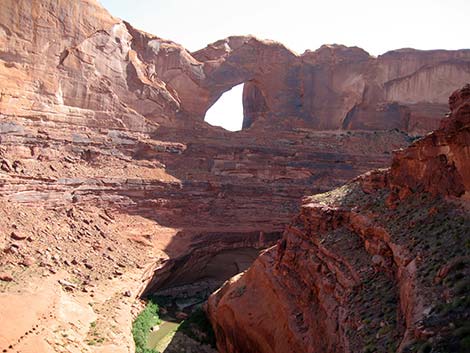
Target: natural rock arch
{"x": 125, "y": 78}
{"x": 253, "y": 102}
{"x": 333, "y": 87}
{"x": 259, "y": 65}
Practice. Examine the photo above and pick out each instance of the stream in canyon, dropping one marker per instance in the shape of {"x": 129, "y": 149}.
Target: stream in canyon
{"x": 160, "y": 338}
{"x": 181, "y": 321}
{"x": 181, "y": 298}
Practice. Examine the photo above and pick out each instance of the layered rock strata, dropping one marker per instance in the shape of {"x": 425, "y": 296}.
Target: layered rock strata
{"x": 75, "y": 63}
{"x": 378, "y": 265}
{"x": 111, "y": 184}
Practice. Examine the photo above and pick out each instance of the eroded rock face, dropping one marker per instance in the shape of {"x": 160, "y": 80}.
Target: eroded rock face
{"x": 362, "y": 268}
{"x": 334, "y": 87}
{"x": 128, "y": 198}
{"x": 102, "y": 136}
{"x": 77, "y": 64}
{"x": 440, "y": 162}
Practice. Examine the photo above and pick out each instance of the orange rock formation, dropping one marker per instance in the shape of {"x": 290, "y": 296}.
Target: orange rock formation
{"x": 380, "y": 264}
{"x": 112, "y": 185}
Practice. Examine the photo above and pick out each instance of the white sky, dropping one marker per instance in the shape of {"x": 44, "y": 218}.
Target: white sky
{"x": 374, "y": 25}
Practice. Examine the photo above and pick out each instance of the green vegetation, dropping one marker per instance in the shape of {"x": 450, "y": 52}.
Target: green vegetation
{"x": 198, "y": 327}
{"x": 370, "y": 348}
{"x": 437, "y": 233}
{"x": 376, "y": 305}
{"x": 92, "y": 342}
{"x": 425, "y": 348}
{"x": 142, "y": 325}
{"x": 94, "y": 335}
{"x": 465, "y": 344}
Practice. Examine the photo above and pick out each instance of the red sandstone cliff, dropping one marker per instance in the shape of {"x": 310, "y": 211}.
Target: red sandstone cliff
{"x": 77, "y": 64}
{"x": 378, "y": 265}
{"x": 438, "y": 163}
{"x": 110, "y": 182}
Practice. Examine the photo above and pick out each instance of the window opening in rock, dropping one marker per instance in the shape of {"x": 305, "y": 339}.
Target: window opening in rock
{"x": 227, "y": 111}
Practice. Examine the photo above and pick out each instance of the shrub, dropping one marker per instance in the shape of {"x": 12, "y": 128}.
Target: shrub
{"x": 198, "y": 323}
{"x": 142, "y": 325}
{"x": 463, "y": 331}
{"x": 462, "y": 287}
{"x": 465, "y": 344}
{"x": 425, "y": 348}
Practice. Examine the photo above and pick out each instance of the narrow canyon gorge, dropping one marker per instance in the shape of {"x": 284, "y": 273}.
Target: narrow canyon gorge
{"x": 334, "y": 221}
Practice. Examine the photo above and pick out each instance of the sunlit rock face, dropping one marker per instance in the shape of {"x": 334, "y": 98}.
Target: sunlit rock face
{"x": 440, "y": 163}
{"x": 365, "y": 267}
{"x": 75, "y": 62}
{"x": 112, "y": 184}
{"x": 334, "y": 87}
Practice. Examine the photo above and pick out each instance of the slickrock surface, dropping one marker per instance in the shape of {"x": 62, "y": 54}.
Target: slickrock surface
{"x": 111, "y": 184}
{"x": 381, "y": 264}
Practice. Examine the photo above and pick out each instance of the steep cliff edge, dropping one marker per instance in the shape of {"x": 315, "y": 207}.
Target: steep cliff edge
{"x": 73, "y": 63}
{"x": 378, "y": 265}
{"x": 112, "y": 185}
{"x": 438, "y": 163}
{"x": 109, "y": 187}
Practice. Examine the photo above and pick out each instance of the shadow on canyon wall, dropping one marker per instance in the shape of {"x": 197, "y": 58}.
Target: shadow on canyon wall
{"x": 238, "y": 190}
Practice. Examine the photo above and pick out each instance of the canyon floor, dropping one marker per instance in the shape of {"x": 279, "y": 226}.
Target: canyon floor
{"x": 113, "y": 189}
{"x": 380, "y": 264}
{"x": 87, "y": 219}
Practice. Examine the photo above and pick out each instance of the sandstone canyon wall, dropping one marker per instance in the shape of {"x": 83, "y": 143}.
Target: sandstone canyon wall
{"x": 378, "y": 265}
{"x": 112, "y": 184}
{"x": 78, "y": 64}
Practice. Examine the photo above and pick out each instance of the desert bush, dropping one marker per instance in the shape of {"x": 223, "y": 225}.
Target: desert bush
{"x": 142, "y": 325}
{"x": 198, "y": 327}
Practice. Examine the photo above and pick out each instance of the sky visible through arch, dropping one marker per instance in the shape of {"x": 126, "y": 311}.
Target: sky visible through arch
{"x": 228, "y": 110}
{"x": 374, "y": 25}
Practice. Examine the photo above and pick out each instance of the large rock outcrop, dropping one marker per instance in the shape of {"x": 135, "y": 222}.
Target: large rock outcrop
{"x": 75, "y": 63}
{"x": 439, "y": 163}
{"x": 378, "y": 265}
{"x": 112, "y": 184}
